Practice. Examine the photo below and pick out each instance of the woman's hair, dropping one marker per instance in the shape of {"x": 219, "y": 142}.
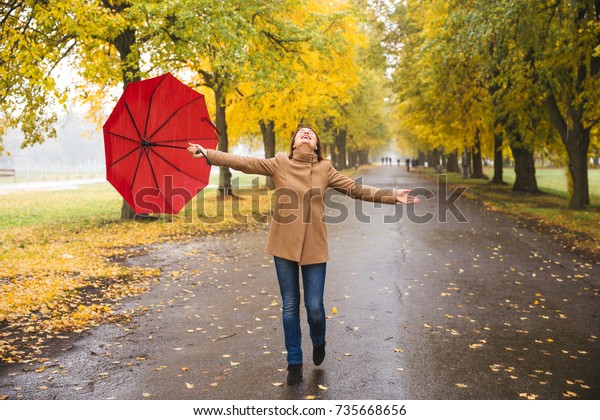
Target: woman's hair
{"x": 319, "y": 151}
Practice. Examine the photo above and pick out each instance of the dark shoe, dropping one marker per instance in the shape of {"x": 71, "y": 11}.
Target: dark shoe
{"x": 294, "y": 374}
{"x": 319, "y": 354}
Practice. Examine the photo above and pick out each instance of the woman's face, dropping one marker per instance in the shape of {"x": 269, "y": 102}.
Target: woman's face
{"x": 305, "y": 139}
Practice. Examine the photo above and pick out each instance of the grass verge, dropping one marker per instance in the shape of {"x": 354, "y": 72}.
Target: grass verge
{"x": 547, "y": 212}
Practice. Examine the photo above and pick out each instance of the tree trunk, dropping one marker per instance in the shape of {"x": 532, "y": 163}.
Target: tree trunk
{"x": 577, "y": 142}
{"x": 524, "y": 168}
{"x": 478, "y": 160}
{"x": 352, "y": 159}
{"x": 268, "y": 134}
{"x": 221, "y": 121}
{"x": 340, "y": 147}
{"x": 498, "y": 163}
{"x": 578, "y": 170}
{"x": 130, "y": 70}
{"x": 363, "y": 157}
{"x": 452, "y": 162}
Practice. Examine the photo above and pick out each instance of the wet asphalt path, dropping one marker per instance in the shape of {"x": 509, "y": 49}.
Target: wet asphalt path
{"x": 478, "y": 310}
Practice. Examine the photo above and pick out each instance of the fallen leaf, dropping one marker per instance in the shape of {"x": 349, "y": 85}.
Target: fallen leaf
{"x": 146, "y": 395}
{"x": 347, "y": 354}
{"x": 185, "y": 369}
{"x": 528, "y": 396}
{"x": 334, "y": 310}
{"x": 569, "y": 394}
{"x": 398, "y": 350}
{"x": 461, "y": 385}
{"x": 323, "y": 388}
{"x": 3, "y": 397}
{"x": 310, "y": 397}
{"x": 277, "y": 383}
{"x": 189, "y": 385}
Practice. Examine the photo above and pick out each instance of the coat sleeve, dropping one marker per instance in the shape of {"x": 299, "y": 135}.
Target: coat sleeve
{"x": 246, "y": 164}
{"x": 352, "y": 189}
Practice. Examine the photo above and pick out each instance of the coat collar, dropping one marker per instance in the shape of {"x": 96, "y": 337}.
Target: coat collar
{"x": 305, "y": 157}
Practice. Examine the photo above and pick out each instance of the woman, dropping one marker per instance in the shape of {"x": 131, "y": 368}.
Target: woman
{"x": 298, "y": 235}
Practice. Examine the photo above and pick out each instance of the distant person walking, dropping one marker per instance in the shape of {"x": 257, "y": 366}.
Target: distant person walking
{"x": 298, "y": 235}
{"x": 407, "y": 165}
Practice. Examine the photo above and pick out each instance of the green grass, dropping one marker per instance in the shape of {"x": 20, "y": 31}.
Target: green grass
{"x": 548, "y": 212}
{"x": 87, "y": 205}
{"x": 554, "y": 181}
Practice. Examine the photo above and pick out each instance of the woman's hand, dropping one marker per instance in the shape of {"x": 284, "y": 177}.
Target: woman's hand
{"x": 194, "y": 148}
{"x": 404, "y": 197}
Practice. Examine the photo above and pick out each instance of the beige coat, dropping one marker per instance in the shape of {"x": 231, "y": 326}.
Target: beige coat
{"x": 298, "y": 232}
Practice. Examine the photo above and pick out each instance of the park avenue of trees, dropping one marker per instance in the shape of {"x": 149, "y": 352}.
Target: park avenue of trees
{"x": 474, "y": 79}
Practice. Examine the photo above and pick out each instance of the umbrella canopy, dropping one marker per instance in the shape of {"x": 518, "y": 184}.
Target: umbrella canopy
{"x": 145, "y": 142}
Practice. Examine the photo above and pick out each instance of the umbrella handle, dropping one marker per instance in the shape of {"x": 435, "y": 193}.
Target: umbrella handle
{"x": 199, "y": 152}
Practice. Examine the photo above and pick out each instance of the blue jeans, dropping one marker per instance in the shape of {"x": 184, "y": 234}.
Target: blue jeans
{"x": 313, "y": 280}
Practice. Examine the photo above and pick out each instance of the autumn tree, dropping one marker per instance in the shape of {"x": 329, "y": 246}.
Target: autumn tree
{"x": 311, "y": 80}
{"x": 110, "y": 35}
{"x": 442, "y": 103}
{"x": 568, "y": 68}
{"x": 31, "y": 47}
{"x": 223, "y": 44}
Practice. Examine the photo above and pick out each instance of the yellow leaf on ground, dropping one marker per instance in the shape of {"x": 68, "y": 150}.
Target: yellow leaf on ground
{"x": 323, "y": 388}
{"x": 461, "y": 385}
{"x": 277, "y": 384}
{"x": 189, "y": 385}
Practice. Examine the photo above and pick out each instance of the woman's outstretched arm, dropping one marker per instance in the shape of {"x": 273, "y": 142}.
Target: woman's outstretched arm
{"x": 246, "y": 164}
{"x": 349, "y": 187}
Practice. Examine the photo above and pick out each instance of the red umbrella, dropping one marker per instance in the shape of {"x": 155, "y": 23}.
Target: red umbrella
{"x": 145, "y": 141}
